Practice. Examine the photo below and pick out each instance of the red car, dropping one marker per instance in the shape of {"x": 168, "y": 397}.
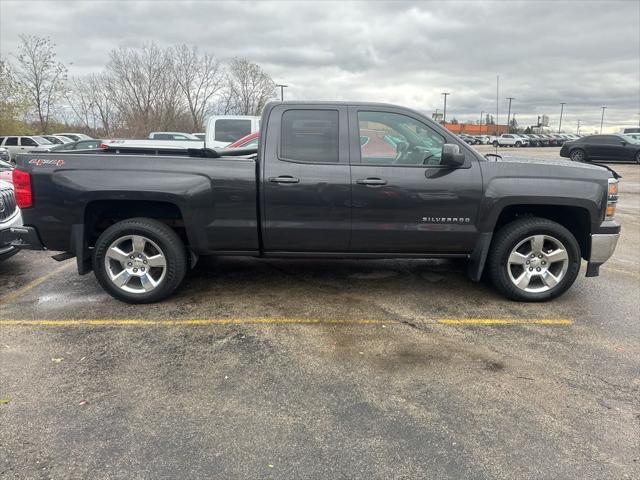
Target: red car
{"x": 249, "y": 141}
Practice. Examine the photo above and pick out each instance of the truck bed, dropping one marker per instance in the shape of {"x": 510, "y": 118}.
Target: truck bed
{"x": 215, "y": 197}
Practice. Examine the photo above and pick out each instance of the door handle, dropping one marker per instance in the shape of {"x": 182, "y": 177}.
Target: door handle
{"x": 284, "y": 179}
{"x": 372, "y": 182}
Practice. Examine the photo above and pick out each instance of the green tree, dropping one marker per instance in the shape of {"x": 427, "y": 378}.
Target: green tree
{"x": 12, "y": 105}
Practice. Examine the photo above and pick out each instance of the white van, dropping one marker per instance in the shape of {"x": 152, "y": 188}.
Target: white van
{"x": 225, "y": 129}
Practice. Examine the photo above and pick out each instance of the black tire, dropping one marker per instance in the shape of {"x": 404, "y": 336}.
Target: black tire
{"x": 169, "y": 244}
{"x": 578, "y": 155}
{"x": 495, "y": 143}
{"x": 509, "y": 236}
{"x": 638, "y": 157}
{"x": 518, "y": 144}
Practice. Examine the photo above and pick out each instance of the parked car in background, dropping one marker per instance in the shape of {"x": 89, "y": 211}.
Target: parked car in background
{"x": 5, "y": 156}
{"x": 74, "y": 136}
{"x": 224, "y": 130}
{"x": 5, "y": 171}
{"x": 249, "y": 141}
{"x": 10, "y": 217}
{"x": 80, "y": 145}
{"x": 468, "y": 139}
{"x": 173, "y": 136}
{"x": 615, "y": 148}
{"x": 201, "y": 136}
{"x": 483, "y": 139}
{"x": 533, "y": 140}
{"x": 509, "y": 140}
{"x": 25, "y": 144}
{"x": 630, "y": 130}
{"x": 57, "y": 139}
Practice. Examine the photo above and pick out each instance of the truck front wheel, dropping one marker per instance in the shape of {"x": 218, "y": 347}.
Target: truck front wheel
{"x": 533, "y": 259}
{"x": 139, "y": 260}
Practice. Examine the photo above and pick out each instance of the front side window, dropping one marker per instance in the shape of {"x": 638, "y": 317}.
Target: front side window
{"x": 230, "y": 130}
{"x": 395, "y": 139}
{"x": 309, "y": 136}
{"x": 28, "y": 142}
{"x": 11, "y": 141}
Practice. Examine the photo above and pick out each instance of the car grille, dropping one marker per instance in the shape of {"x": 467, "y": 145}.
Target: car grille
{"x": 8, "y": 204}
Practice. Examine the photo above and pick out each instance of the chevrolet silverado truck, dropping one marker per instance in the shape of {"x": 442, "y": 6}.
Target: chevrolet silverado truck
{"x": 327, "y": 180}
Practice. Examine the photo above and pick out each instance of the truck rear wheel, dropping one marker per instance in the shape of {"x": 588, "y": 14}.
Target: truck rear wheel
{"x": 139, "y": 260}
{"x": 495, "y": 143}
{"x": 533, "y": 259}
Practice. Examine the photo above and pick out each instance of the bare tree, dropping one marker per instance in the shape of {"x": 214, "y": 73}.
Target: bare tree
{"x": 249, "y": 88}
{"x": 41, "y": 76}
{"x": 91, "y": 105}
{"x": 141, "y": 85}
{"x": 199, "y": 78}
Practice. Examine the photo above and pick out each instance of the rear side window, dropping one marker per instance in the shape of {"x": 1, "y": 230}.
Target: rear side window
{"x": 309, "y": 136}
{"x": 12, "y": 141}
{"x": 607, "y": 139}
{"x": 28, "y": 142}
{"x": 232, "y": 129}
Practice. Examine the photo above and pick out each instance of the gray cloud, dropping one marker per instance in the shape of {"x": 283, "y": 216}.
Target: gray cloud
{"x": 584, "y": 53}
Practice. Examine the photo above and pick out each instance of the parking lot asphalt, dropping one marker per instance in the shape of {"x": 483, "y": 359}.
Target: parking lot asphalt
{"x": 323, "y": 369}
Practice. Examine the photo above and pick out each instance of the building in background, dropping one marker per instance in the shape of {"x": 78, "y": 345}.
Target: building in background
{"x": 474, "y": 129}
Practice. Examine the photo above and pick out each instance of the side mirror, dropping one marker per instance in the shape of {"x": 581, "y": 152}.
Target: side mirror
{"x": 451, "y": 155}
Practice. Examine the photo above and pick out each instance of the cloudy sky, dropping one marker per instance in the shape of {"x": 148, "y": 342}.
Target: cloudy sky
{"x": 585, "y": 53}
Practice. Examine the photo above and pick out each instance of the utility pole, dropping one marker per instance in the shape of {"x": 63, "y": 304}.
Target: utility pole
{"x": 444, "y": 113}
{"x": 578, "y": 131}
{"x": 602, "y": 119}
{"x": 497, "y": 106}
{"x": 282, "y": 87}
{"x": 481, "y": 113}
{"x": 509, "y": 114}
{"x": 562, "y": 104}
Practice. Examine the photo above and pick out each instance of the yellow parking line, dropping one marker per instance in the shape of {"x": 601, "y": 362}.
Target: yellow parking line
{"x": 268, "y": 321}
{"x": 167, "y": 323}
{"x": 33, "y": 284}
{"x": 504, "y": 321}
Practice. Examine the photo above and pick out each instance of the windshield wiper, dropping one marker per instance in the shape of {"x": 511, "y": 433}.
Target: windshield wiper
{"x": 487, "y": 155}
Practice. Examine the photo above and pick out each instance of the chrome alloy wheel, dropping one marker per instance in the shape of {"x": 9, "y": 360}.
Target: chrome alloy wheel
{"x": 135, "y": 264}
{"x": 538, "y": 263}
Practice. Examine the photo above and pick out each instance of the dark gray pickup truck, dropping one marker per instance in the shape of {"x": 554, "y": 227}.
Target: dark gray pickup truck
{"x": 328, "y": 180}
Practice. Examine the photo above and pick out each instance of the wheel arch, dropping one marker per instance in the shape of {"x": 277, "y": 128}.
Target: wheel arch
{"x": 575, "y": 218}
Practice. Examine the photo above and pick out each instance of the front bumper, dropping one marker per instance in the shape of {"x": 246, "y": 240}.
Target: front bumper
{"x": 6, "y": 247}
{"x": 602, "y": 247}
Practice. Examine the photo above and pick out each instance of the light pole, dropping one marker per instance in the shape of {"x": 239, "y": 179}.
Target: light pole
{"x": 481, "y": 113}
{"x": 578, "y": 131}
{"x": 602, "y": 119}
{"x": 509, "y": 114}
{"x": 562, "y": 104}
{"x": 282, "y": 87}
{"x": 444, "y": 113}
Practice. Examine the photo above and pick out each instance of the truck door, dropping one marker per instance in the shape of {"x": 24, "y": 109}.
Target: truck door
{"x": 306, "y": 181}
{"x": 404, "y": 200}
